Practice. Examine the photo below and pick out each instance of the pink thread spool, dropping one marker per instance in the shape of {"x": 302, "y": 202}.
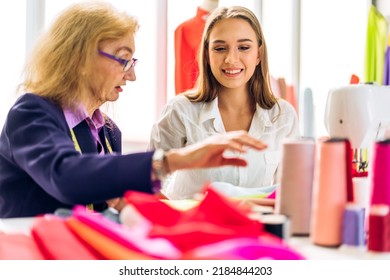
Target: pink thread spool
{"x": 380, "y": 173}
{"x": 294, "y": 196}
{"x": 329, "y": 192}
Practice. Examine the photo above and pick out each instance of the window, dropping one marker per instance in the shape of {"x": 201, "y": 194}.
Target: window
{"x": 12, "y": 52}
{"x": 135, "y": 110}
{"x": 332, "y": 48}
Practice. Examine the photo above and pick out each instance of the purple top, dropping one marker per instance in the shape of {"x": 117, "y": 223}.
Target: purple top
{"x": 73, "y": 118}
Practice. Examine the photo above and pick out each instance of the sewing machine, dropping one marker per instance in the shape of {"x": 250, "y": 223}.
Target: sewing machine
{"x": 360, "y": 113}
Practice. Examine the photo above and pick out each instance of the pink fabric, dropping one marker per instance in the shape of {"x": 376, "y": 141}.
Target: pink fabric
{"x": 244, "y": 249}
{"x": 18, "y": 246}
{"x": 272, "y": 195}
{"x": 156, "y": 247}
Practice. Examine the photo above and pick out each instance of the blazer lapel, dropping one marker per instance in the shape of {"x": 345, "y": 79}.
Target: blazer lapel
{"x": 85, "y": 139}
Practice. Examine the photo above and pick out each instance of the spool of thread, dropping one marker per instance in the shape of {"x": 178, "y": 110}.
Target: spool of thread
{"x": 379, "y": 228}
{"x": 380, "y": 175}
{"x": 276, "y": 224}
{"x": 330, "y": 191}
{"x": 354, "y": 226}
{"x": 294, "y": 195}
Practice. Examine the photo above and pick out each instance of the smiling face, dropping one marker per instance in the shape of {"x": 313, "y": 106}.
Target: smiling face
{"x": 109, "y": 76}
{"x": 233, "y": 53}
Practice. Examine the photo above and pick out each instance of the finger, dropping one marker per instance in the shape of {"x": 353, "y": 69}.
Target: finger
{"x": 236, "y": 146}
{"x": 244, "y": 138}
{"x": 234, "y": 161}
{"x": 242, "y": 145}
{"x": 113, "y": 202}
{"x": 252, "y": 142}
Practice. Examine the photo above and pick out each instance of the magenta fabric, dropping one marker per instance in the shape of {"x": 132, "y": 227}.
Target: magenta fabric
{"x": 244, "y": 249}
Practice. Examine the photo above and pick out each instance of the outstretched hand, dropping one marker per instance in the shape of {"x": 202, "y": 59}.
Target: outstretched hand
{"x": 210, "y": 152}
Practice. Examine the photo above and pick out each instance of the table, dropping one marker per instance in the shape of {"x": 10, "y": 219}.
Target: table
{"x": 301, "y": 244}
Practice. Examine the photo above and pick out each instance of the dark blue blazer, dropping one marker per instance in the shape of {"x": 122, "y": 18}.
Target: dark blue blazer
{"x": 40, "y": 170}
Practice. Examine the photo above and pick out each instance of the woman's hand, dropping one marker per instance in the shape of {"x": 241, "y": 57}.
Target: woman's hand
{"x": 117, "y": 203}
{"x": 210, "y": 152}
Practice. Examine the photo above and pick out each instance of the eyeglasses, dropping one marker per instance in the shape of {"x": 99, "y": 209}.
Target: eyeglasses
{"x": 127, "y": 64}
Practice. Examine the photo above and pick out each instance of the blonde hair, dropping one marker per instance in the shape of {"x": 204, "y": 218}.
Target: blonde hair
{"x": 62, "y": 63}
{"x": 207, "y": 87}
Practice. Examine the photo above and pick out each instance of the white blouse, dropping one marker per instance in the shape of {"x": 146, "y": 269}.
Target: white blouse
{"x": 184, "y": 122}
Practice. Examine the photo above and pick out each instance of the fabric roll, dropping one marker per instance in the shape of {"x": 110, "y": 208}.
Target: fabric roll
{"x": 17, "y": 246}
{"x": 130, "y": 238}
{"x": 107, "y": 247}
{"x": 331, "y": 191}
{"x": 294, "y": 195}
{"x": 380, "y": 175}
{"x": 376, "y": 38}
{"x": 57, "y": 242}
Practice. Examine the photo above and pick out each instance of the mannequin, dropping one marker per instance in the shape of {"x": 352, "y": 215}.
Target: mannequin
{"x": 209, "y": 5}
{"x": 187, "y": 39}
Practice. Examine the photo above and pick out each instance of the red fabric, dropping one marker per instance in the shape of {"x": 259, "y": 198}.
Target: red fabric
{"x": 18, "y": 246}
{"x": 57, "y": 241}
{"x": 291, "y": 97}
{"x": 187, "y": 39}
{"x": 214, "y": 219}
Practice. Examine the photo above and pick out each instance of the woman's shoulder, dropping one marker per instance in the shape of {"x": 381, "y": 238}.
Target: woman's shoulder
{"x": 182, "y": 103}
{"x": 29, "y": 102}
{"x": 32, "y": 98}
{"x": 179, "y": 99}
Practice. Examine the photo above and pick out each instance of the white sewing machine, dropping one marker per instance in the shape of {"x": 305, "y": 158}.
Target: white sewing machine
{"x": 359, "y": 112}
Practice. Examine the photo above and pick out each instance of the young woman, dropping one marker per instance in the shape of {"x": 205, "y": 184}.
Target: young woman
{"x": 232, "y": 93}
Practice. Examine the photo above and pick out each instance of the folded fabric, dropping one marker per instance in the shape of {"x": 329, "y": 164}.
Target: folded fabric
{"x": 272, "y": 195}
{"x": 58, "y": 242}
{"x": 214, "y": 219}
{"x": 230, "y": 190}
{"x": 131, "y": 238}
{"x": 16, "y": 246}
{"x": 244, "y": 249}
{"x": 107, "y": 247}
